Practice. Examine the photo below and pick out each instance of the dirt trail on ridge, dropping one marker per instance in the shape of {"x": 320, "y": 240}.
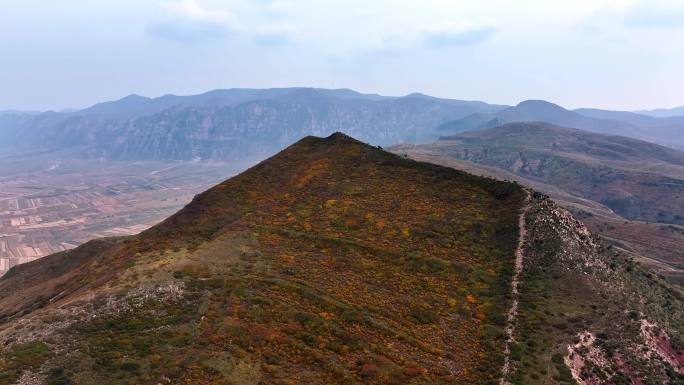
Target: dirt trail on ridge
{"x": 513, "y": 311}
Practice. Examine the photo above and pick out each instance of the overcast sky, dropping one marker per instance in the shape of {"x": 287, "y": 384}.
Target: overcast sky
{"x": 619, "y": 54}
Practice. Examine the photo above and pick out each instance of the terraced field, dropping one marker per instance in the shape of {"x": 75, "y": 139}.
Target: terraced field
{"x": 50, "y": 203}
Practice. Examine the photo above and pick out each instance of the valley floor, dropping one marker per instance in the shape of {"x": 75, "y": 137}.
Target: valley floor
{"x": 48, "y": 205}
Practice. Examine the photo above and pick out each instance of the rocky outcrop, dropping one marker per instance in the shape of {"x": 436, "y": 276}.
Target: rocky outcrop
{"x": 601, "y": 309}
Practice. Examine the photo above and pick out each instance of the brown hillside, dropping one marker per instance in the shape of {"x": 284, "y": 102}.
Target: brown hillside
{"x": 331, "y": 262}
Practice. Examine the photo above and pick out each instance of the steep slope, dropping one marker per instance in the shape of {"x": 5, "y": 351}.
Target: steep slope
{"x": 471, "y": 122}
{"x": 264, "y": 127}
{"x": 607, "y": 180}
{"x": 636, "y": 179}
{"x": 589, "y": 315}
{"x": 332, "y": 262}
{"x": 229, "y": 124}
{"x": 665, "y": 131}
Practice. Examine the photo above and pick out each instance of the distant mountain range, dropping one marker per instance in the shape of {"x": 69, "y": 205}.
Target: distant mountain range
{"x": 230, "y": 124}
{"x": 663, "y": 112}
{"x": 19, "y": 112}
{"x": 666, "y": 131}
{"x": 238, "y": 123}
{"x": 136, "y": 105}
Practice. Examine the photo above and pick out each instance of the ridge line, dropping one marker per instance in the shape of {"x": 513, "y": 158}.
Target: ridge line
{"x": 513, "y": 311}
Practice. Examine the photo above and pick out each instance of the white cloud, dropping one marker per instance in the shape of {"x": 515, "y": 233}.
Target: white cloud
{"x": 191, "y": 9}
{"x": 189, "y": 21}
{"x": 458, "y": 35}
{"x": 579, "y": 52}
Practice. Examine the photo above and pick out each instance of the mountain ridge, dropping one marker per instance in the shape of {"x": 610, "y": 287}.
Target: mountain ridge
{"x": 337, "y": 262}
{"x": 663, "y": 131}
{"x": 663, "y": 112}
{"x": 310, "y": 247}
{"x": 228, "y": 124}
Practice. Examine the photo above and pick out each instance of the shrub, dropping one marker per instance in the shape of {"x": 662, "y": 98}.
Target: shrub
{"x": 58, "y": 376}
{"x": 30, "y": 354}
{"x": 368, "y": 370}
{"x": 424, "y": 315}
{"x": 129, "y": 366}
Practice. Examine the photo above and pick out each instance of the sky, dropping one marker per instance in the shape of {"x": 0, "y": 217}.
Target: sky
{"x": 616, "y": 54}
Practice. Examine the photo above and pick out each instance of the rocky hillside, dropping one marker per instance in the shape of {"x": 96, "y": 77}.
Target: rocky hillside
{"x": 590, "y": 315}
{"x": 629, "y": 191}
{"x": 335, "y": 262}
{"x": 229, "y": 124}
{"x": 636, "y": 179}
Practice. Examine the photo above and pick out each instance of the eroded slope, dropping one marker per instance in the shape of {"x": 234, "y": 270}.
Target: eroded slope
{"x": 589, "y": 314}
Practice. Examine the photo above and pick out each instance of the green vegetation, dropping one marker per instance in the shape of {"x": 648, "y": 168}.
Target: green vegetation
{"x": 335, "y": 262}
{"x": 570, "y": 286}
{"x": 21, "y": 357}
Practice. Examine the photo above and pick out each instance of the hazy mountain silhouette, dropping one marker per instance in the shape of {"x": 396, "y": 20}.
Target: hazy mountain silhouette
{"x": 665, "y": 131}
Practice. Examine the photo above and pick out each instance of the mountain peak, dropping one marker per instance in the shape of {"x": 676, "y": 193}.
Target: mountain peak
{"x": 134, "y": 97}
{"x": 340, "y": 137}
{"x": 331, "y": 251}
{"x": 419, "y": 95}
{"x": 538, "y": 103}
